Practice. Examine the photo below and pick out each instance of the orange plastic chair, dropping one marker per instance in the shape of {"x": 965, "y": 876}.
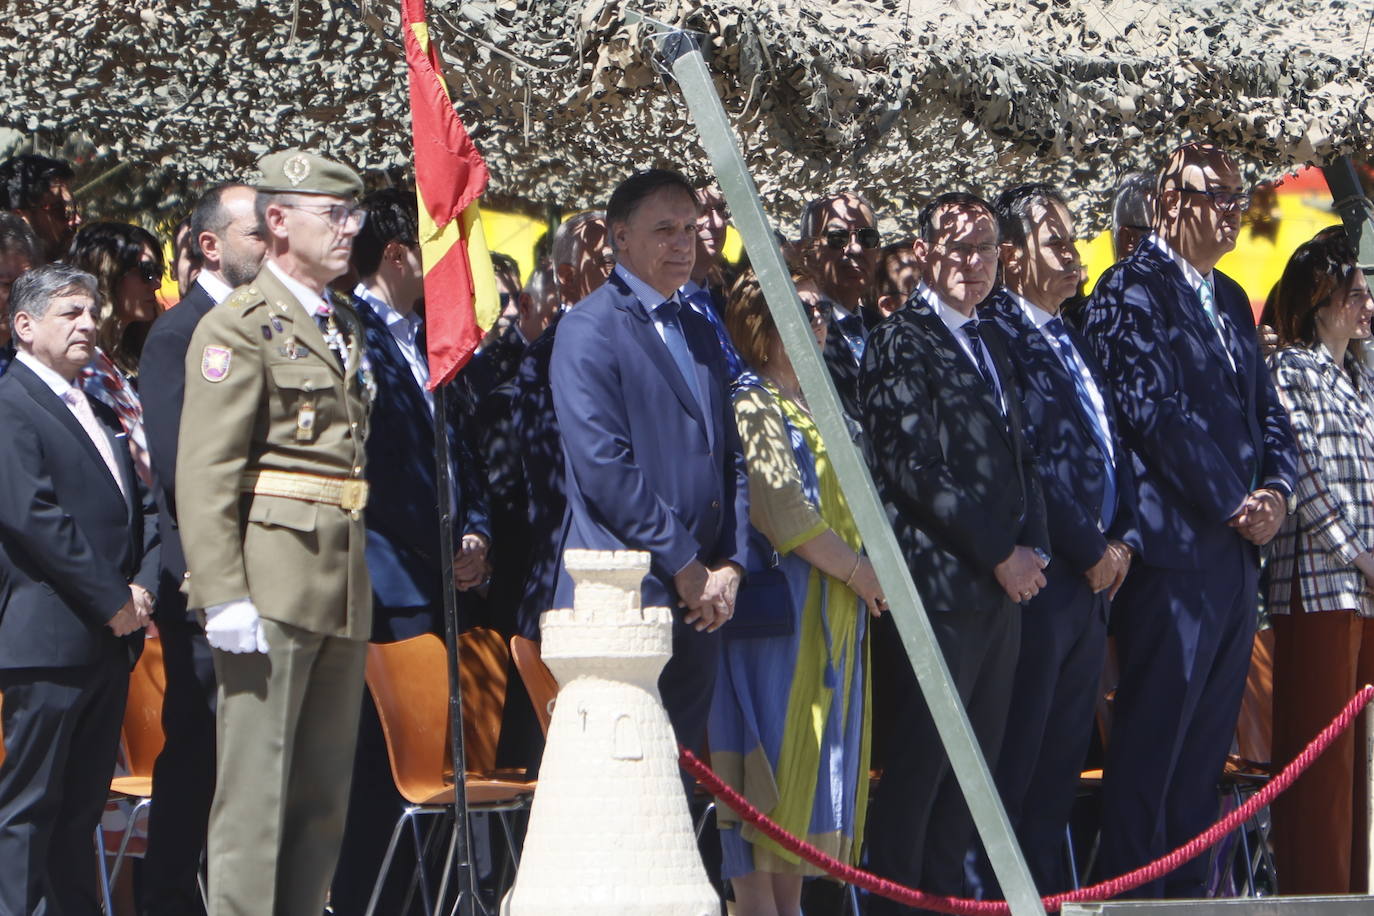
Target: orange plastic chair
{"x": 142, "y": 739}
{"x": 539, "y": 681}
{"x": 409, "y": 684}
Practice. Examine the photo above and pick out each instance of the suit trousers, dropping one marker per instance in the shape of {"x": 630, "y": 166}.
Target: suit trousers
{"x": 61, "y": 729}
{"x": 184, "y": 775}
{"x": 1320, "y": 839}
{"x": 1050, "y": 723}
{"x": 1183, "y": 638}
{"x": 288, "y": 721}
{"x": 919, "y": 826}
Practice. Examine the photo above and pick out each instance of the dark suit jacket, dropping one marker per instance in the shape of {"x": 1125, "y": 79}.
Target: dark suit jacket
{"x": 162, "y": 377}
{"x": 403, "y": 556}
{"x": 6, "y": 357}
{"x": 70, "y": 542}
{"x": 495, "y": 364}
{"x": 844, "y": 368}
{"x": 647, "y": 468}
{"x": 542, "y": 469}
{"x": 959, "y": 482}
{"x": 1201, "y": 435}
{"x": 1072, "y": 467}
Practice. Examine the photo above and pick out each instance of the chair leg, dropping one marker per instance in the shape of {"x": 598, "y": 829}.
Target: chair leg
{"x": 420, "y": 849}
{"x": 104, "y": 874}
{"x": 1072, "y": 856}
{"x": 853, "y": 894}
{"x": 387, "y": 859}
{"x": 1245, "y": 847}
{"x": 705, "y": 814}
{"x": 143, "y": 805}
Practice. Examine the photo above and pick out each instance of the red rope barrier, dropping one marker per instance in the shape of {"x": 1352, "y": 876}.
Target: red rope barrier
{"x": 1102, "y": 891}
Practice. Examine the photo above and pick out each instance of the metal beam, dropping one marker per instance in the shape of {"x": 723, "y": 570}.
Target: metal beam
{"x": 683, "y": 54}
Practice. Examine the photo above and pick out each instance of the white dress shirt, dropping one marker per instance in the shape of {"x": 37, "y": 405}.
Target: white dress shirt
{"x": 649, "y": 297}
{"x": 955, "y": 321}
{"x": 405, "y": 330}
{"x": 214, "y": 287}
{"x": 1072, "y": 358}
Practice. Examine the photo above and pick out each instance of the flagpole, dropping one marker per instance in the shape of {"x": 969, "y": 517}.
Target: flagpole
{"x": 461, "y": 858}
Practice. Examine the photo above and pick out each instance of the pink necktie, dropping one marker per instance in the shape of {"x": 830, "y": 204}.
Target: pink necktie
{"x": 81, "y": 408}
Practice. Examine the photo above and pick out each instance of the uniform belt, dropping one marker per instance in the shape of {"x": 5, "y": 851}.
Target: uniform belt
{"x": 345, "y": 492}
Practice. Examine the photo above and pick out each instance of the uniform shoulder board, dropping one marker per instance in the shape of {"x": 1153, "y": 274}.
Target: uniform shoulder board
{"x": 245, "y": 297}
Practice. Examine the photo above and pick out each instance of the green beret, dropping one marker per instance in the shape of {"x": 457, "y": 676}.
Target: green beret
{"x": 294, "y": 171}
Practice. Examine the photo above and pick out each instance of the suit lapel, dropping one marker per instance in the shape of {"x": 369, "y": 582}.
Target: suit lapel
{"x": 958, "y": 364}
{"x": 45, "y": 398}
{"x": 642, "y": 331}
{"x": 1191, "y": 316}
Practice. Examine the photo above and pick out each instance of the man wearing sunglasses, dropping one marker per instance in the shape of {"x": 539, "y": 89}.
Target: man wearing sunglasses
{"x": 841, "y": 246}
{"x": 1215, "y": 467}
{"x": 270, "y": 500}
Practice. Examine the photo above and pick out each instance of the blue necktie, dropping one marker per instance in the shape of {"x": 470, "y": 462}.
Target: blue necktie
{"x": 852, "y": 327}
{"x": 703, "y": 305}
{"x": 1069, "y": 356}
{"x": 676, "y": 342}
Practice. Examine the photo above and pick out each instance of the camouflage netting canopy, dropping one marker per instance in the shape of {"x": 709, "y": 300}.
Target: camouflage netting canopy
{"x": 897, "y": 98}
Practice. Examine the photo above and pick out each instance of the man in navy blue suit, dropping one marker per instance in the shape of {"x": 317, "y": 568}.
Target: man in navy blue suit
{"x": 402, "y": 515}
{"x": 1090, "y": 513}
{"x": 78, "y": 561}
{"x": 224, "y": 230}
{"x": 1214, "y": 460}
{"x": 653, "y": 457}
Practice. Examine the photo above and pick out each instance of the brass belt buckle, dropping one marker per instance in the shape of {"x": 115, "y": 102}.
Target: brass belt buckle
{"x": 353, "y": 496}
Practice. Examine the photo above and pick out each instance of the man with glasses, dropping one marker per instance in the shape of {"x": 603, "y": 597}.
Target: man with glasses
{"x": 38, "y": 189}
{"x": 1214, "y": 460}
{"x": 840, "y": 245}
{"x": 270, "y": 500}
{"x": 944, "y": 419}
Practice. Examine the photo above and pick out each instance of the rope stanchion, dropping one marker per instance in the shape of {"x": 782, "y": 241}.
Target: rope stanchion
{"x": 1102, "y": 891}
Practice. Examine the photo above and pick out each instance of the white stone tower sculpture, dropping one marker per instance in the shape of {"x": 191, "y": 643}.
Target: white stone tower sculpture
{"x": 610, "y": 832}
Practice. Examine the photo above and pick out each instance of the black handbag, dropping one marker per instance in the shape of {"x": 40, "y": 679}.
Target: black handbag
{"x": 763, "y": 605}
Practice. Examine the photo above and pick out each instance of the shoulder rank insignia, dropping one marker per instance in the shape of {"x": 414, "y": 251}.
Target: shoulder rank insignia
{"x": 214, "y": 363}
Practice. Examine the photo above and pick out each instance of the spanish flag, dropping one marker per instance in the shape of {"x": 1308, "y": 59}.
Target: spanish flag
{"x": 460, "y": 286}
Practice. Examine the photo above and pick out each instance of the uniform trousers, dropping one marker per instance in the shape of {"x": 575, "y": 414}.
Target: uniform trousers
{"x": 1320, "y": 660}
{"x": 288, "y": 722}
{"x": 61, "y": 729}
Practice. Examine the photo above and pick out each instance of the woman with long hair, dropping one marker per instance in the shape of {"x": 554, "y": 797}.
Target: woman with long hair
{"x": 127, "y": 264}
{"x": 1321, "y": 569}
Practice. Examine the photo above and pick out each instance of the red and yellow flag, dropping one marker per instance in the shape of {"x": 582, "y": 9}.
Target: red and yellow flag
{"x": 460, "y": 286}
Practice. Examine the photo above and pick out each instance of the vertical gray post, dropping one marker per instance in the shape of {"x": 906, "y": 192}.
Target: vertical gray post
{"x": 681, "y": 51}
{"x": 1347, "y": 197}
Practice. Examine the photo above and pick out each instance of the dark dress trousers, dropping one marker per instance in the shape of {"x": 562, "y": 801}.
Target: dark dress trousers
{"x": 960, "y": 485}
{"x": 70, "y": 544}
{"x": 184, "y": 775}
{"x": 1201, "y": 434}
{"x": 649, "y": 469}
{"x": 1064, "y": 627}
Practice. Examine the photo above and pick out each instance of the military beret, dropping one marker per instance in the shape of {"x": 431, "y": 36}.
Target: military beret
{"x": 294, "y": 171}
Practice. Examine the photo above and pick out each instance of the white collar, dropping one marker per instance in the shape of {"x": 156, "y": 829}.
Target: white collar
{"x": 214, "y": 287}
{"x": 648, "y": 297}
{"x": 1038, "y": 316}
{"x": 1190, "y": 273}
{"x": 389, "y": 315}
{"x": 952, "y": 317}
{"x": 313, "y": 302}
{"x": 51, "y": 377}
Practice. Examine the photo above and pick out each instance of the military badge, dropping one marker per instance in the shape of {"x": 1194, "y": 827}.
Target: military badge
{"x": 296, "y": 169}
{"x": 214, "y": 363}
{"x": 266, "y": 333}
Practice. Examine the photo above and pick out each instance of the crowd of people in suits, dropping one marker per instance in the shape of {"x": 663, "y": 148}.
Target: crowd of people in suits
{"x": 251, "y": 473}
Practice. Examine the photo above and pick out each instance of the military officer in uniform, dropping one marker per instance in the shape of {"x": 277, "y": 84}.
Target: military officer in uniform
{"x": 271, "y": 496}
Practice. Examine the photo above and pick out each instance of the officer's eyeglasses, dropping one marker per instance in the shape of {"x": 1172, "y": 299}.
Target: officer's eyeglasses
{"x": 336, "y": 214}
{"x": 1222, "y": 201}
{"x": 838, "y": 239}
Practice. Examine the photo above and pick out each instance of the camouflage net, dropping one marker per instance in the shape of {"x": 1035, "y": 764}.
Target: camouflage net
{"x": 897, "y": 98}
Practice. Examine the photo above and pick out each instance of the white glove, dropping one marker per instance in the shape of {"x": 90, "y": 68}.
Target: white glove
{"x": 235, "y": 626}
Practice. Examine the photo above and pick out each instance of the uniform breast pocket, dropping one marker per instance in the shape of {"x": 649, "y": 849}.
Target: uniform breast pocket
{"x": 306, "y": 394}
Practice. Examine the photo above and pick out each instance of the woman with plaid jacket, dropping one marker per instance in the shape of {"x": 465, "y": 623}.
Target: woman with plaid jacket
{"x": 1321, "y": 570}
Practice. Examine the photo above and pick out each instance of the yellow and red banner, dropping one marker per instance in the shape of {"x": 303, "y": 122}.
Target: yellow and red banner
{"x": 460, "y": 287}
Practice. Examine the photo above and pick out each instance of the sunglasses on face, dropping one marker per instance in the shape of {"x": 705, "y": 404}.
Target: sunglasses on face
{"x": 149, "y": 271}
{"x": 838, "y": 239}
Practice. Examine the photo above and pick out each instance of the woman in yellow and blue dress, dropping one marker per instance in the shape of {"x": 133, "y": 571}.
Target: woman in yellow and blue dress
{"x": 789, "y": 722}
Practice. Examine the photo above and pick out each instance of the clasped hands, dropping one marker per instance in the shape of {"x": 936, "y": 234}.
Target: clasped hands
{"x": 1260, "y": 515}
{"x": 135, "y": 614}
{"x": 1110, "y": 571}
{"x": 707, "y": 594}
{"x": 1021, "y": 574}
{"x": 470, "y": 569}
